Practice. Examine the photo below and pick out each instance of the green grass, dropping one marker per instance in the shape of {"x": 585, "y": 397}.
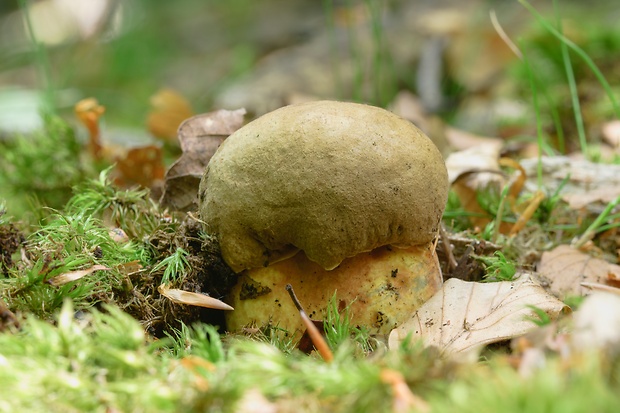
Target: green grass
{"x": 42, "y": 63}
{"x": 339, "y": 329}
{"x": 602, "y": 222}
{"x": 557, "y": 70}
{"x": 497, "y": 267}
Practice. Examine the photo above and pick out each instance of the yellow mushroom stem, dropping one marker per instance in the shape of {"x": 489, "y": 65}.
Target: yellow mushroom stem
{"x": 383, "y": 288}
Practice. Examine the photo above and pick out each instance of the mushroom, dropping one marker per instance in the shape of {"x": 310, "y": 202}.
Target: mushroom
{"x": 333, "y": 198}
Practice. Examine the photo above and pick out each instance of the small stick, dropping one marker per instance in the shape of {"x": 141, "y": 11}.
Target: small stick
{"x": 452, "y": 264}
{"x": 502, "y": 34}
{"x": 315, "y": 335}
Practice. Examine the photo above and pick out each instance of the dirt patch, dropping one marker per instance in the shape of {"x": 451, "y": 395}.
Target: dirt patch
{"x": 208, "y": 274}
{"x": 10, "y": 240}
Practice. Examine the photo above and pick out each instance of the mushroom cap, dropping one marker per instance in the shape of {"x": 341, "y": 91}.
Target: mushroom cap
{"x": 330, "y": 178}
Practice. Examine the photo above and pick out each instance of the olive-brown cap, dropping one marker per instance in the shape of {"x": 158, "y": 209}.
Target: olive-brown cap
{"x": 330, "y": 178}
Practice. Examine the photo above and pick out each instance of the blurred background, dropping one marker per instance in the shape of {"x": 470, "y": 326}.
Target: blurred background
{"x": 260, "y": 55}
{"x": 474, "y": 65}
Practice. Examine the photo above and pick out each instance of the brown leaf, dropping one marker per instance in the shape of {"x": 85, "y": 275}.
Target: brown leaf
{"x": 129, "y": 268}
{"x": 596, "y": 324}
{"x": 170, "y": 109}
{"x": 492, "y": 56}
{"x": 143, "y": 166}
{"x": 189, "y": 298}
{"x": 604, "y": 195}
{"x": 566, "y": 269}
{"x": 482, "y": 159}
{"x": 589, "y": 184}
{"x": 75, "y": 275}
{"x": 464, "y": 316}
{"x": 200, "y": 136}
{"x": 472, "y": 170}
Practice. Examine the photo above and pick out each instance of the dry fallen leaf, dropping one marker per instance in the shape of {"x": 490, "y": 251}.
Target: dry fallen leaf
{"x": 472, "y": 170}
{"x": 200, "y": 136}
{"x": 589, "y": 184}
{"x": 483, "y": 160}
{"x": 75, "y": 275}
{"x": 129, "y": 268}
{"x": 531, "y": 351}
{"x": 596, "y": 324}
{"x": 170, "y": 109}
{"x": 603, "y": 195}
{"x": 408, "y": 106}
{"x": 465, "y": 316}
{"x": 566, "y": 268}
{"x": 143, "y": 166}
{"x": 195, "y": 299}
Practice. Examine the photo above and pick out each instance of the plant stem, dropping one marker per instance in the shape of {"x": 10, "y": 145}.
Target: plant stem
{"x": 539, "y": 131}
{"x": 328, "y": 8}
{"x": 570, "y": 76}
{"x": 500, "y": 213}
{"x": 596, "y": 225}
{"x": 43, "y": 64}
{"x": 375, "y": 9}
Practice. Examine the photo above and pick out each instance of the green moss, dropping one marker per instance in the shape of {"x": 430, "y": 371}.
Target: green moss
{"x": 43, "y": 166}
{"x": 67, "y": 243}
{"x": 101, "y": 361}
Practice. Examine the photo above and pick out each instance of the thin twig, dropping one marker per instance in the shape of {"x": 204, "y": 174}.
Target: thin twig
{"x": 315, "y": 335}
{"x": 452, "y": 264}
{"x": 502, "y": 34}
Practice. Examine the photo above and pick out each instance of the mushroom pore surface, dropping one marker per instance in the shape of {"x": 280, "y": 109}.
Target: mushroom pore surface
{"x": 330, "y": 178}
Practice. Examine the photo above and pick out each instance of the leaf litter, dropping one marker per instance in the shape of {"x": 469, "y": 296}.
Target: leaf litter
{"x": 565, "y": 270}
{"x": 199, "y": 136}
{"x": 464, "y": 316}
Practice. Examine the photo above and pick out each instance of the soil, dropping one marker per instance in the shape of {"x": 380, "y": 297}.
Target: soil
{"x": 10, "y": 241}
